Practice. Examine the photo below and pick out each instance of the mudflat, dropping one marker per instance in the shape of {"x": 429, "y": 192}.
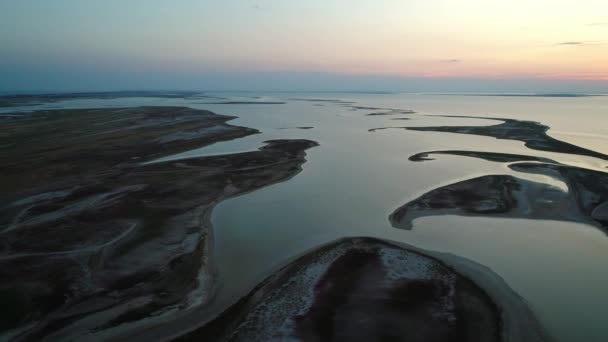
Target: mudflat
{"x": 94, "y": 236}
{"x": 364, "y": 289}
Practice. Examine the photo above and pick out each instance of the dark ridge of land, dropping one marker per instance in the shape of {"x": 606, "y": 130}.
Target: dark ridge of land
{"x": 357, "y": 92}
{"x": 300, "y": 127}
{"x": 207, "y": 97}
{"x": 385, "y": 111}
{"x": 585, "y": 199}
{"x": 339, "y": 92}
{"x": 533, "y": 134}
{"x": 91, "y": 239}
{"x": 392, "y": 112}
{"x": 247, "y": 103}
{"x": 364, "y": 289}
{"x": 367, "y": 108}
{"x": 478, "y": 196}
{"x": 489, "y": 156}
{"x": 320, "y": 101}
{"x": 527, "y": 95}
{"x": 36, "y": 99}
{"x": 547, "y": 95}
{"x": 380, "y": 128}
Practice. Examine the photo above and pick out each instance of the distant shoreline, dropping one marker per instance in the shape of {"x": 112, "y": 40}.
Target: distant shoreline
{"x": 567, "y": 95}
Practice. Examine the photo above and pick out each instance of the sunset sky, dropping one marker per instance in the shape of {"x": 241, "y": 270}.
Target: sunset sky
{"x": 189, "y": 43}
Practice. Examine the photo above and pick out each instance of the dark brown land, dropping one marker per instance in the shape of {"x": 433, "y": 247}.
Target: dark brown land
{"x": 532, "y": 134}
{"x": 489, "y": 156}
{"x": 391, "y": 112}
{"x": 585, "y": 198}
{"x": 248, "y": 103}
{"x": 36, "y": 99}
{"x": 363, "y": 289}
{"x": 91, "y": 238}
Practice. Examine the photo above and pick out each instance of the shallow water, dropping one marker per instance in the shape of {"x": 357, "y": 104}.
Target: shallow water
{"x": 356, "y": 178}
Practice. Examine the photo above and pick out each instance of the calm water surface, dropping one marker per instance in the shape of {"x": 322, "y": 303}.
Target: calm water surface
{"x": 356, "y": 178}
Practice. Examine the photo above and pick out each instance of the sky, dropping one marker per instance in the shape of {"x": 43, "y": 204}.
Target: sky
{"x": 378, "y": 45}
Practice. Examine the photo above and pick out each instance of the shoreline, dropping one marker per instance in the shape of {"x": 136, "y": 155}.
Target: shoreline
{"x": 519, "y": 323}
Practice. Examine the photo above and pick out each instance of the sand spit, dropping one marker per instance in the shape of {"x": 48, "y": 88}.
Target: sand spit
{"x": 247, "y": 103}
{"x": 533, "y": 134}
{"x": 299, "y": 127}
{"x": 363, "y": 289}
{"x": 320, "y": 101}
{"x": 392, "y": 112}
{"x": 489, "y": 156}
{"x": 584, "y": 199}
